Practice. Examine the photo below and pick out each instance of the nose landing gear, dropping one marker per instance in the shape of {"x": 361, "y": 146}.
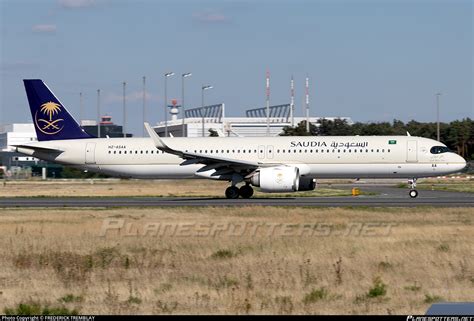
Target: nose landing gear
{"x": 413, "y": 192}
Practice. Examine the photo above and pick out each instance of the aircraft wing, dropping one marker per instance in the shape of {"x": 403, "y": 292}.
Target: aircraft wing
{"x": 212, "y": 161}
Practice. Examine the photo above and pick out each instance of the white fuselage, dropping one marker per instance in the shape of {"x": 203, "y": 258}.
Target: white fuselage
{"x": 318, "y": 157}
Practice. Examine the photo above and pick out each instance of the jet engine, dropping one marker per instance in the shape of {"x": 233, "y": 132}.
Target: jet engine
{"x": 277, "y": 179}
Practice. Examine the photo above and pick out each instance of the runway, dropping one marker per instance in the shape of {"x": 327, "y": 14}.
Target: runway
{"x": 387, "y": 197}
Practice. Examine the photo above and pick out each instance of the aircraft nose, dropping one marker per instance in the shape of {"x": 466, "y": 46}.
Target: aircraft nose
{"x": 462, "y": 162}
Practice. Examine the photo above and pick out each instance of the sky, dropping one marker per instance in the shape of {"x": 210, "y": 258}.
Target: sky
{"x": 368, "y": 60}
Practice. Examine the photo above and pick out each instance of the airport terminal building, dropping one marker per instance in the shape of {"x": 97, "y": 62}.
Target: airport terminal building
{"x": 199, "y": 121}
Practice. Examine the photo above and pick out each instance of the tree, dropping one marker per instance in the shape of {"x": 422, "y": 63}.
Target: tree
{"x": 213, "y": 133}
{"x": 299, "y": 130}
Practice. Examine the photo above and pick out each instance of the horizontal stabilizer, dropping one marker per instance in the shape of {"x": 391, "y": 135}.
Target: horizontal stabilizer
{"x": 38, "y": 148}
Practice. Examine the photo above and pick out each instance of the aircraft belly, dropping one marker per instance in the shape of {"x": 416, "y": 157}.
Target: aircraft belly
{"x": 150, "y": 171}
{"x": 370, "y": 170}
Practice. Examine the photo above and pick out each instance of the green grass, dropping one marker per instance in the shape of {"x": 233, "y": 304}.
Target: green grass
{"x": 315, "y": 295}
{"x": 36, "y": 308}
{"x": 378, "y": 289}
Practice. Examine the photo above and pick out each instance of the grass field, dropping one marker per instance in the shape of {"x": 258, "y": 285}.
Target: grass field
{"x": 466, "y": 187}
{"x": 140, "y": 188}
{"x": 197, "y": 260}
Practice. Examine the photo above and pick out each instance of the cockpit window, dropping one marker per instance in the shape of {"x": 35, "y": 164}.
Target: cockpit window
{"x": 439, "y": 149}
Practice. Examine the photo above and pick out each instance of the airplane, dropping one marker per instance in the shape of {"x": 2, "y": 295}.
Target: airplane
{"x": 274, "y": 164}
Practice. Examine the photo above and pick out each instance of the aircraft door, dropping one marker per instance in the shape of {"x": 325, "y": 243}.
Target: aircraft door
{"x": 261, "y": 152}
{"x": 270, "y": 152}
{"x": 412, "y": 151}
{"x": 90, "y": 153}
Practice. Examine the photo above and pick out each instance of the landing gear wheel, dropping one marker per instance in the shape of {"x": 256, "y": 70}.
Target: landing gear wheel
{"x": 413, "y": 193}
{"x": 232, "y": 192}
{"x": 246, "y": 191}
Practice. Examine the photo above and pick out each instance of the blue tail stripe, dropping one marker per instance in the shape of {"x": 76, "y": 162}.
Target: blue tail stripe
{"x": 51, "y": 119}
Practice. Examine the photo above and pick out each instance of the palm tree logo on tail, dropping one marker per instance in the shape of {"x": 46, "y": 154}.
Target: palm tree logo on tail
{"x": 49, "y": 125}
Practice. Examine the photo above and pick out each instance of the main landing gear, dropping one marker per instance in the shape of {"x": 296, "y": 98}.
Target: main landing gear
{"x": 233, "y": 192}
{"x": 413, "y": 192}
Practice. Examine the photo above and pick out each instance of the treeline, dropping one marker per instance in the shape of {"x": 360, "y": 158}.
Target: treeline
{"x": 458, "y": 135}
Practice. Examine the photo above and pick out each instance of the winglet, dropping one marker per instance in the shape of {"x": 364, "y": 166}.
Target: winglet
{"x": 154, "y": 136}
{"x": 408, "y": 134}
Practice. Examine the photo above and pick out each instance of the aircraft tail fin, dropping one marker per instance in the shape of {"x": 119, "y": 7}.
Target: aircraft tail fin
{"x": 51, "y": 119}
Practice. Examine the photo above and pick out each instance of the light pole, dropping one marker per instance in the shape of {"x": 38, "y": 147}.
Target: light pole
{"x": 81, "y": 109}
{"x": 183, "y": 109}
{"x": 144, "y": 105}
{"x": 98, "y": 113}
{"x": 124, "y": 110}
{"x": 437, "y": 116}
{"x": 203, "y": 88}
{"x": 168, "y": 74}
{"x": 307, "y": 104}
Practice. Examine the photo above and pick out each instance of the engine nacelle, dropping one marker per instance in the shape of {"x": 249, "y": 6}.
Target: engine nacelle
{"x": 277, "y": 179}
{"x": 306, "y": 184}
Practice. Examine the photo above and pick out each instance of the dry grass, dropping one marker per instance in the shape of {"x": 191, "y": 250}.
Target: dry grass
{"x": 465, "y": 186}
{"x": 58, "y": 257}
{"x": 154, "y": 188}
